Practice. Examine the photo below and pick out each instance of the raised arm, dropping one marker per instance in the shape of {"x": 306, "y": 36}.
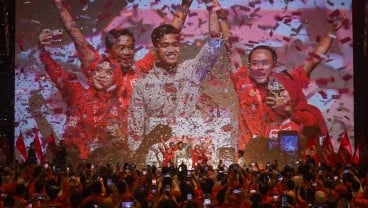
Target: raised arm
{"x": 207, "y": 56}
{"x": 56, "y": 73}
{"x": 136, "y": 118}
{"x": 325, "y": 44}
{"x": 86, "y": 52}
{"x": 234, "y": 56}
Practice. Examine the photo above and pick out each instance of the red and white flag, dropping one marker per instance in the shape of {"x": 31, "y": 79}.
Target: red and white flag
{"x": 21, "y": 146}
{"x": 311, "y": 149}
{"x": 38, "y": 147}
{"x": 328, "y": 155}
{"x": 345, "y": 153}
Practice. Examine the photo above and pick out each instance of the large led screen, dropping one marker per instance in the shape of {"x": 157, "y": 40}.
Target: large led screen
{"x": 96, "y": 127}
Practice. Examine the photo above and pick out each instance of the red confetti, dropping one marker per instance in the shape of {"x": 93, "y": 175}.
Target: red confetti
{"x": 330, "y": 3}
{"x": 192, "y": 14}
{"x": 288, "y": 20}
{"x": 286, "y": 39}
{"x": 20, "y": 43}
{"x": 234, "y": 39}
{"x": 343, "y": 90}
{"x": 155, "y": 2}
{"x": 253, "y": 42}
{"x": 335, "y": 13}
{"x": 313, "y": 55}
{"x": 227, "y": 128}
{"x": 201, "y": 22}
{"x": 279, "y": 18}
{"x": 58, "y": 110}
{"x": 322, "y": 81}
{"x": 323, "y": 94}
{"x": 298, "y": 47}
{"x": 103, "y": 16}
{"x": 336, "y": 97}
{"x": 345, "y": 40}
{"x": 271, "y": 33}
{"x": 347, "y": 77}
{"x": 296, "y": 13}
{"x": 328, "y": 60}
{"x": 240, "y": 51}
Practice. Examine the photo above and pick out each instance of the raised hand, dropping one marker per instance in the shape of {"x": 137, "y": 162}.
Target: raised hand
{"x": 338, "y": 21}
{"x": 275, "y": 99}
{"x": 186, "y": 3}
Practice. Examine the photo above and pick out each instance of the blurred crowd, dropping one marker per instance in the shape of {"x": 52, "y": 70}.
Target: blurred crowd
{"x": 301, "y": 184}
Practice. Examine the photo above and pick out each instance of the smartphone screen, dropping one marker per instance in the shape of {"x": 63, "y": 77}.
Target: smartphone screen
{"x": 207, "y": 202}
{"x": 127, "y": 204}
{"x": 109, "y": 181}
{"x": 288, "y": 141}
{"x": 284, "y": 201}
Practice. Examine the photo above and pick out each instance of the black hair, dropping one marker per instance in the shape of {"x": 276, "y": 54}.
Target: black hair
{"x": 162, "y": 30}
{"x": 52, "y": 191}
{"x": 271, "y": 50}
{"x": 114, "y": 34}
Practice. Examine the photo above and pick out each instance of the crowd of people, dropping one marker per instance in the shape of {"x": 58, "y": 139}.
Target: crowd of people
{"x": 301, "y": 184}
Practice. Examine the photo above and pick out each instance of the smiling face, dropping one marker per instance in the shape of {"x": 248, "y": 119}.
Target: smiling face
{"x": 123, "y": 51}
{"x": 260, "y": 65}
{"x": 168, "y": 49}
{"x": 102, "y": 79}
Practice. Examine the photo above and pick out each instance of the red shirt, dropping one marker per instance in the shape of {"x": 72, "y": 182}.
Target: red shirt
{"x": 168, "y": 156}
{"x": 256, "y": 119}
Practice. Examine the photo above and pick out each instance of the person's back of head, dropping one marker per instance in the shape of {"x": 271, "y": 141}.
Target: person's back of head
{"x": 76, "y": 199}
{"x": 52, "y": 191}
{"x": 290, "y": 185}
{"x": 96, "y": 187}
{"x": 263, "y": 188}
{"x": 20, "y": 189}
{"x": 8, "y": 202}
{"x": 256, "y": 200}
{"x": 121, "y": 186}
{"x": 39, "y": 185}
{"x": 167, "y": 203}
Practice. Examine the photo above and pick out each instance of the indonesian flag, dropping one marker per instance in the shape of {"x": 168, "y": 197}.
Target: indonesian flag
{"x": 38, "y": 147}
{"x": 328, "y": 155}
{"x": 311, "y": 149}
{"x": 356, "y": 155}
{"x": 21, "y": 146}
{"x": 345, "y": 153}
